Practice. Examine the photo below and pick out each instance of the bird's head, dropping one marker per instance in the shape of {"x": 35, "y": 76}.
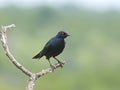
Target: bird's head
{"x": 62, "y": 34}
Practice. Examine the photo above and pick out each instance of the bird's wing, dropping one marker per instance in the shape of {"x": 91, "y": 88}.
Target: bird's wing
{"x": 47, "y": 47}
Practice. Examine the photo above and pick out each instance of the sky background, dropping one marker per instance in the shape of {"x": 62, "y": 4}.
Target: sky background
{"x": 89, "y": 4}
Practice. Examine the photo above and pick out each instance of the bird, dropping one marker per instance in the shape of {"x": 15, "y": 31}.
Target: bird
{"x": 53, "y": 48}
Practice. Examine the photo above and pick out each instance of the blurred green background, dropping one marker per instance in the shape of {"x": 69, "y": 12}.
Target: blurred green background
{"x": 92, "y": 51}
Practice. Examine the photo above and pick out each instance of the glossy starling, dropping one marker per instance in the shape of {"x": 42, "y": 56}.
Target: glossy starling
{"x": 53, "y": 48}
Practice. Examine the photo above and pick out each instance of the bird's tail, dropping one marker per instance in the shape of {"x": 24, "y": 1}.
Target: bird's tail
{"x": 38, "y": 56}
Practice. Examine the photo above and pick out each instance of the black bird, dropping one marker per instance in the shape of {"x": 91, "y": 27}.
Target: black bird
{"x": 53, "y": 48}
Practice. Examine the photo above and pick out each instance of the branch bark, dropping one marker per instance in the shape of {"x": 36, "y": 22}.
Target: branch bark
{"x": 32, "y": 76}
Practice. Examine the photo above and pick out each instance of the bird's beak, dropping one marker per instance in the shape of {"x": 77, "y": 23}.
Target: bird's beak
{"x": 68, "y": 35}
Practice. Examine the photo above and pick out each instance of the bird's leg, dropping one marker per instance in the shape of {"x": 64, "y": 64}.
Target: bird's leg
{"x": 61, "y": 64}
{"x": 52, "y": 67}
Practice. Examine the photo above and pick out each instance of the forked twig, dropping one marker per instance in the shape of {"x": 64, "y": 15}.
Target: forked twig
{"x": 32, "y": 76}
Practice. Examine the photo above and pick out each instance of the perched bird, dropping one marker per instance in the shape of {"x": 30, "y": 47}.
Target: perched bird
{"x": 53, "y": 48}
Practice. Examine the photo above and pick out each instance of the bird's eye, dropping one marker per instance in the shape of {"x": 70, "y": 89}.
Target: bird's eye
{"x": 62, "y": 33}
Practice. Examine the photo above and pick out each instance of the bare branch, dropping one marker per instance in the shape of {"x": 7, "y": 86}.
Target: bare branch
{"x": 31, "y": 82}
{"x": 32, "y": 76}
{"x": 8, "y": 53}
{"x": 43, "y": 72}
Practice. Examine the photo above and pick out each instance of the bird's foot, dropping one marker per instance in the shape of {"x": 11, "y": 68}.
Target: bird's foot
{"x": 52, "y": 68}
{"x": 61, "y": 64}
